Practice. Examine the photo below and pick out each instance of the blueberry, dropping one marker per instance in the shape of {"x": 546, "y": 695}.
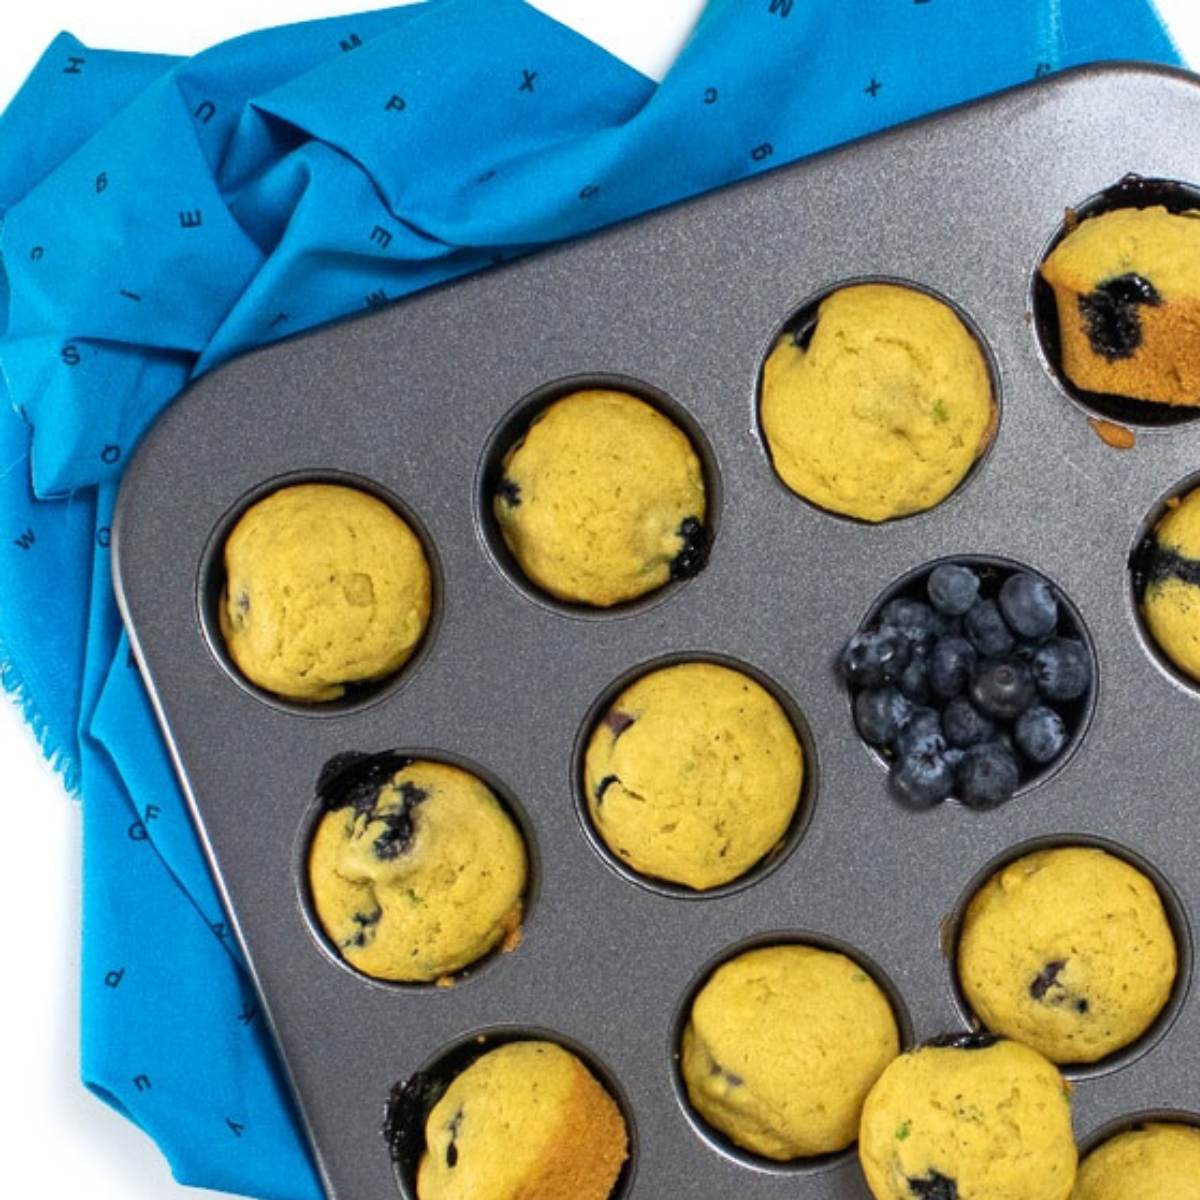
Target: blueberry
{"x": 1040, "y": 733}
{"x": 1110, "y": 313}
{"x": 880, "y": 714}
{"x": 951, "y": 665}
{"x": 952, "y": 589}
{"x": 914, "y": 680}
{"x": 876, "y": 656}
{"x": 987, "y": 631}
{"x": 933, "y": 1186}
{"x": 964, "y": 725}
{"x": 915, "y": 619}
{"x": 1062, "y": 669}
{"x": 922, "y": 734}
{"x": 693, "y": 552}
{"x": 922, "y": 780}
{"x": 988, "y": 775}
{"x": 1002, "y": 687}
{"x": 953, "y": 757}
{"x": 1029, "y": 606}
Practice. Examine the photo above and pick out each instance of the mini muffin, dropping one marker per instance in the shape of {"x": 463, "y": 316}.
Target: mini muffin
{"x": 1069, "y": 951}
{"x": 416, "y": 870}
{"x": 1168, "y": 579}
{"x": 882, "y": 408}
{"x": 1148, "y": 1162}
{"x": 1127, "y": 287}
{"x": 693, "y": 775}
{"x": 968, "y": 1119}
{"x": 526, "y": 1121}
{"x": 603, "y": 500}
{"x": 782, "y": 1046}
{"x": 324, "y": 586}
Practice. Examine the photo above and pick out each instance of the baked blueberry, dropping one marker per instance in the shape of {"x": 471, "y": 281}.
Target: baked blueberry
{"x": 1029, "y": 606}
{"x": 951, "y": 666}
{"x": 952, "y": 589}
{"x": 988, "y": 775}
{"x": 1002, "y": 687}
{"x": 875, "y": 657}
{"x": 880, "y": 714}
{"x": 1062, "y": 669}
{"x": 934, "y": 1186}
{"x": 987, "y": 630}
{"x": 964, "y": 725}
{"x": 1040, "y": 734}
{"x": 1110, "y": 312}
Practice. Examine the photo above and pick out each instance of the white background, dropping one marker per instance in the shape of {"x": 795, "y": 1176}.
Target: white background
{"x": 55, "y": 1138}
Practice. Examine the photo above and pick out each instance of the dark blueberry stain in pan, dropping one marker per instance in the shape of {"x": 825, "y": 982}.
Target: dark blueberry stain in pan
{"x": 1114, "y": 326}
{"x": 977, "y": 1040}
{"x": 353, "y": 779}
{"x": 934, "y": 1186}
{"x": 1152, "y": 563}
{"x": 691, "y": 558}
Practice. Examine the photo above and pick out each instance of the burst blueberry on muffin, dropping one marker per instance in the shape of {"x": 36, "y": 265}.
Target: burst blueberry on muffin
{"x": 1155, "y": 1161}
{"x": 882, "y": 408}
{"x": 1127, "y": 288}
{"x": 325, "y": 586}
{"x": 1167, "y": 580}
{"x": 603, "y": 500}
{"x": 415, "y": 870}
{"x": 781, "y": 1047}
{"x": 526, "y": 1121}
{"x": 693, "y": 775}
{"x": 1069, "y": 951}
{"x": 968, "y": 1118}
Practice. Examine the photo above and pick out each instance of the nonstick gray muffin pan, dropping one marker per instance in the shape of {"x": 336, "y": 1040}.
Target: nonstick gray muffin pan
{"x": 415, "y": 401}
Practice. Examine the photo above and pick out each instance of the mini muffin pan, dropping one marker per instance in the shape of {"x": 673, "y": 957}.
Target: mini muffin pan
{"x": 682, "y": 305}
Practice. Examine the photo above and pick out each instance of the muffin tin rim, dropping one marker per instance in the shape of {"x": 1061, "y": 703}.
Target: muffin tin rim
{"x": 806, "y": 803}
{"x": 1129, "y": 1122}
{"x": 1177, "y": 918}
{"x": 210, "y": 582}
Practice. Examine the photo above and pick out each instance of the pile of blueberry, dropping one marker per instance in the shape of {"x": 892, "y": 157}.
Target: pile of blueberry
{"x": 971, "y": 684}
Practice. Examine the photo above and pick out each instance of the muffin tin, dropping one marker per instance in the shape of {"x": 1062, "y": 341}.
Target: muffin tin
{"x": 685, "y": 303}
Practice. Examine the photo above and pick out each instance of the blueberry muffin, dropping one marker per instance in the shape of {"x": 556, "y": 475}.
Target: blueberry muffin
{"x": 1149, "y": 1162}
{"x": 693, "y": 775}
{"x": 782, "y": 1046}
{"x": 325, "y": 586}
{"x": 1127, "y": 287}
{"x": 526, "y": 1121}
{"x": 881, "y": 408}
{"x": 602, "y": 500}
{"x": 415, "y": 870}
{"x": 1069, "y": 951}
{"x": 1167, "y": 578}
{"x": 969, "y": 1119}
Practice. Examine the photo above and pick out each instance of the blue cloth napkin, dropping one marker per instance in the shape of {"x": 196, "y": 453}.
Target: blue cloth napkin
{"x": 161, "y": 215}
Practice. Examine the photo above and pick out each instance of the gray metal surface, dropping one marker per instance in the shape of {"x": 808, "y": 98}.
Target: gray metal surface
{"x": 687, "y": 300}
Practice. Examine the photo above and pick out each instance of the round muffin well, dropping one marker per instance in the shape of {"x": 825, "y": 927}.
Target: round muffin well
{"x": 876, "y": 401}
{"x": 415, "y": 870}
{"x": 512, "y": 1111}
{"x": 778, "y": 1044}
{"x": 598, "y": 493}
{"x": 695, "y": 776}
